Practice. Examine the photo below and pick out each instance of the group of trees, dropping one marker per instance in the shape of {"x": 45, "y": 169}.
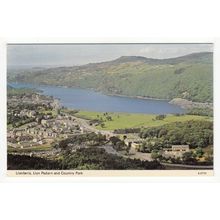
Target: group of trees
{"x": 30, "y": 106}
{"x": 201, "y": 111}
{"x": 192, "y": 157}
{"x": 151, "y": 145}
{"x": 90, "y": 139}
{"x": 98, "y": 159}
{"x": 127, "y": 130}
{"x": 193, "y": 133}
{"x": 160, "y": 117}
{"x": 83, "y": 159}
{"x": 188, "y": 158}
{"x": 101, "y": 119}
{"x": 119, "y": 144}
{"x": 136, "y": 76}
{"x": 104, "y": 117}
{"x": 24, "y": 162}
{"x": 17, "y": 121}
{"x": 19, "y": 92}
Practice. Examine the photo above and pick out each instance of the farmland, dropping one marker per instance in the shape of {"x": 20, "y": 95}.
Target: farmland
{"x": 127, "y": 120}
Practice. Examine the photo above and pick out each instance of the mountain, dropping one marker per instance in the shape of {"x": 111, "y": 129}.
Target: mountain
{"x": 189, "y": 77}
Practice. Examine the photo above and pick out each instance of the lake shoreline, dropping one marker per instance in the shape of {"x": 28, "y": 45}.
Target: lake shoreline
{"x": 93, "y": 89}
{"x": 182, "y": 103}
{"x": 186, "y": 104}
{"x": 178, "y": 102}
{"x": 136, "y": 97}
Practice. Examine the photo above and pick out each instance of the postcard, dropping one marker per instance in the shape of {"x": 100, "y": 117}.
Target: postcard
{"x": 110, "y": 109}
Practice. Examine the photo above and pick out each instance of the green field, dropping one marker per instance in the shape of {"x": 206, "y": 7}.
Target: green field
{"x": 127, "y": 120}
{"x": 44, "y": 147}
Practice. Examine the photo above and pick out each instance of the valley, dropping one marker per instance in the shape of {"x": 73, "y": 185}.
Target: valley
{"x": 130, "y": 113}
{"x": 40, "y": 129}
{"x": 188, "y": 77}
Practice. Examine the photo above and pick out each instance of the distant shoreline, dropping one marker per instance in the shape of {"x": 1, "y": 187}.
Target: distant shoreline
{"x": 186, "y": 104}
{"x": 136, "y": 97}
{"x": 99, "y": 91}
{"x": 182, "y": 103}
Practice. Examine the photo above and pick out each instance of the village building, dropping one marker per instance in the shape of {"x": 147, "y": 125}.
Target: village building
{"x": 31, "y": 113}
{"x": 44, "y": 122}
{"x": 136, "y": 144}
{"x": 175, "y": 151}
{"x": 133, "y": 142}
{"x": 18, "y": 132}
{"x": 180, "y": 148}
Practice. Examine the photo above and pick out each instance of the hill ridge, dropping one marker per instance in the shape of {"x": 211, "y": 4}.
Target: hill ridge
{"x": 189, "y": 77}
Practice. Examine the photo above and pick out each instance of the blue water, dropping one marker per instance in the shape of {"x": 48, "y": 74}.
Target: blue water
{"x": 90, "y": 100}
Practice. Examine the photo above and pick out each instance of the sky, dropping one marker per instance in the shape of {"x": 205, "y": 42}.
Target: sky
{"x": 37, "y": 55}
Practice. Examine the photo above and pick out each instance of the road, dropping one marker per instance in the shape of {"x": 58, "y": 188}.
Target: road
{"x": 85, "y": 125}
{"x": 187, "y": 166}
{"x": 109, "y": 149}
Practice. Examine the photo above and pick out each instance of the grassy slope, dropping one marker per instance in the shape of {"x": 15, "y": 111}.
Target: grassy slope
{"x": 45, "y": 147}
{"x": 20, "y": 91}
{"x": 188, "y": 77}
{"x": 127, "y": 120}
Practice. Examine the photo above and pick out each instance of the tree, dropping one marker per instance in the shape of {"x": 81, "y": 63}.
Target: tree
{"x": 155, "y": 155}
{"x": 102, "y": 125}
{"x": 189, "y": 157}
{"x": 114, "y": 140}
{"x": 58, "y": 111}
{"x": 160, "y": 117}
{"x": 119, "y": 145}
{"x": 141, "y": 148}
{"x": 124, "y": 137}
{"x": 109, "y": 118}
{"x": 199, "y": 152}
{"x": 128, "y": 147}
{"x": 162, "y": 132}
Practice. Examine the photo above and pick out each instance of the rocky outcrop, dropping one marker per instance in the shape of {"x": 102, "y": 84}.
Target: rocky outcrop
{"x": 186, "y": 104}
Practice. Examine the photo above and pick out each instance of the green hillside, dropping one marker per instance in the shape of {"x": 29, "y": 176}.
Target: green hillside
{"x": 189, "y": 77}
{"x": 128, "y": 120}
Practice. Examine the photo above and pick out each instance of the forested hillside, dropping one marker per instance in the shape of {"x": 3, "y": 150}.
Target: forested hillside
{"x": 189, "y": 77}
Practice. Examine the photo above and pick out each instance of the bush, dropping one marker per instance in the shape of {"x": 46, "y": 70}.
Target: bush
{"x": 193, "y": 133}
{"x": 160, "y": 117}
{"x": 24, "y": 162}
{"x": 97, "y": 158}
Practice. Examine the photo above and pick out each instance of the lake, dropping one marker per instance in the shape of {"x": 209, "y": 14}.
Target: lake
{"x": 90, "y": 100}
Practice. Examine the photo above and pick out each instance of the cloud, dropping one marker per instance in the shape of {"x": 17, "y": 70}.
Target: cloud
{"x": 173, "y": 50}
{"x": 76, "y": 54}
